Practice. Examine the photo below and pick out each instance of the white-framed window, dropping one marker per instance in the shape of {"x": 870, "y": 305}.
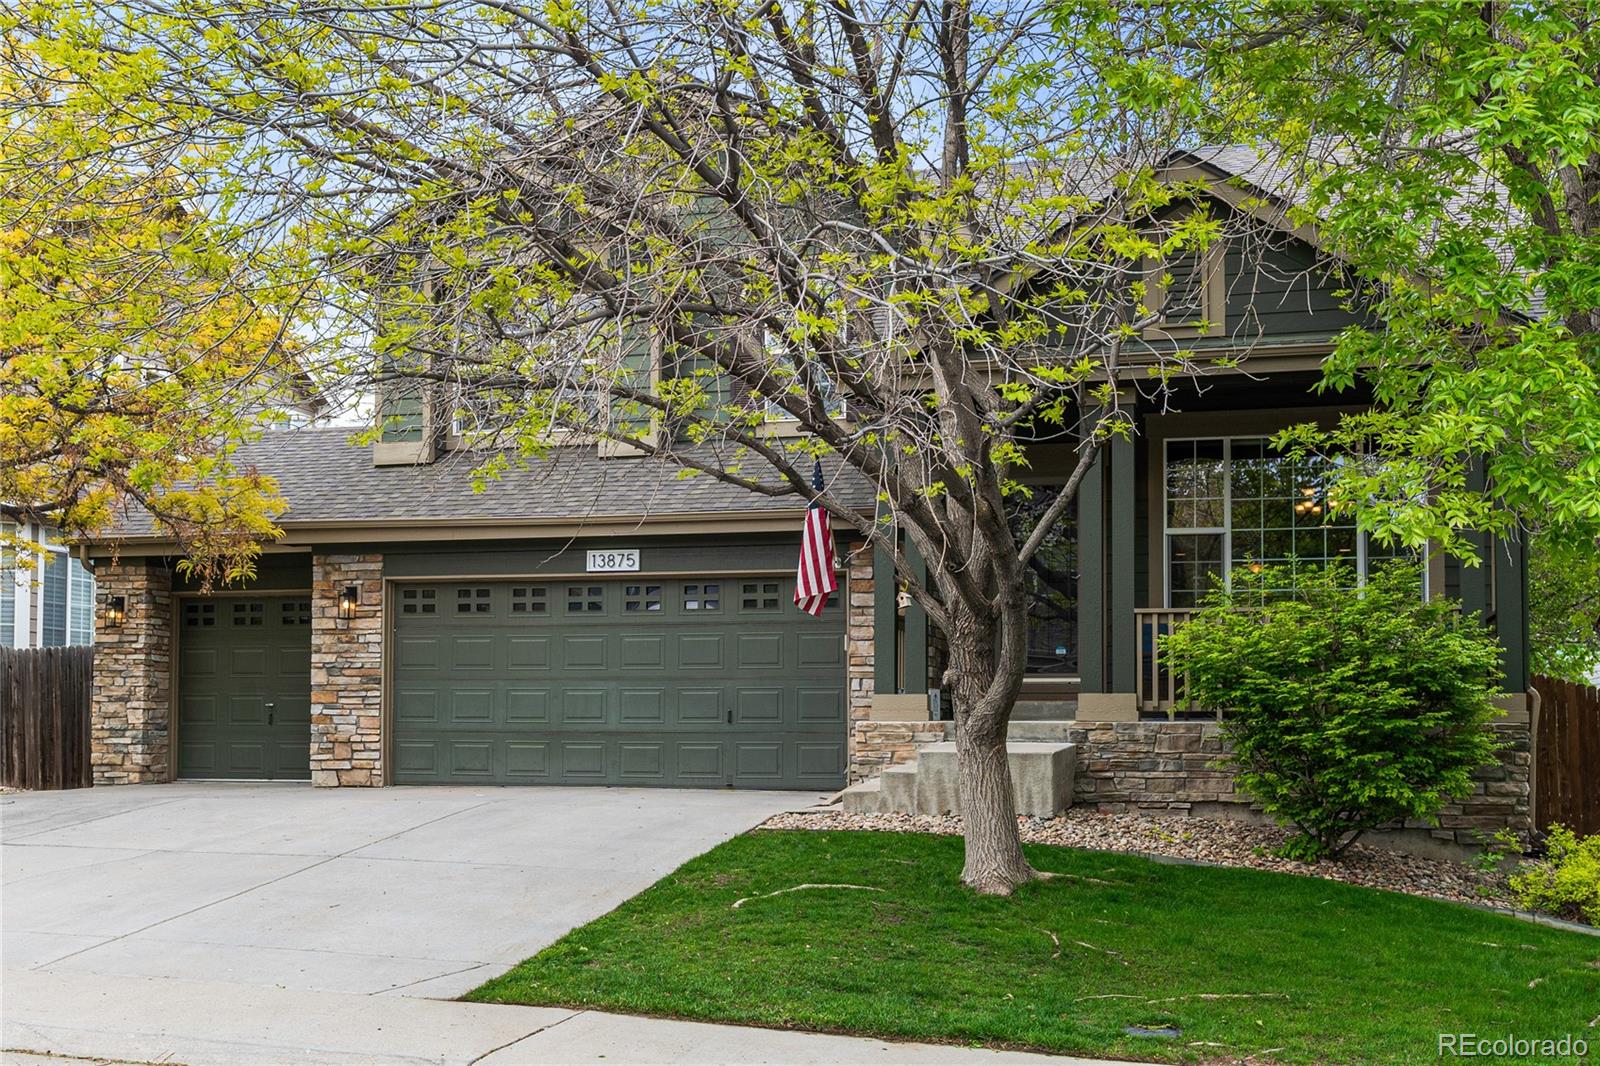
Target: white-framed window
{"x": 11, "y": 587}
{"x": 1236, "y": 501}
{"x": 46, "y": 593}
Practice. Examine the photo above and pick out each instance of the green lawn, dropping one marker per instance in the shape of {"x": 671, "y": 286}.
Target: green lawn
{"x": 1245, "y": 963}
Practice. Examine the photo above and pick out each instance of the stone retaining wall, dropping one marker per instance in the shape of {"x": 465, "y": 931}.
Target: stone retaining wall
{"x": 1167, "y": 766}
{"x": 876, "y": 746}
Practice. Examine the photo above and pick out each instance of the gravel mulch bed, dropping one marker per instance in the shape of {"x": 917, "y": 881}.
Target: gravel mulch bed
{"x": 1203, "y": 840}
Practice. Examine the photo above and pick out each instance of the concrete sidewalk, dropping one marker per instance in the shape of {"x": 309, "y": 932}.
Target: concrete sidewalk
{"x": 145, "y": 1020}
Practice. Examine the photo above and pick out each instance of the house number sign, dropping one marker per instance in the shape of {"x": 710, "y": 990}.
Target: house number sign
{"x": 613, "y": 560}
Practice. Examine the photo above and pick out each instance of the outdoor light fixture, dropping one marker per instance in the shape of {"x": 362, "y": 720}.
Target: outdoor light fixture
{"x": 116, "y": 610}
{"x": 348, "y": 600}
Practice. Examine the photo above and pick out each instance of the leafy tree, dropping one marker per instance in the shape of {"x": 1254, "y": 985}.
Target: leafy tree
{"x": 1347, "y": 708}
{"x": 1564, "y": 609}
{"x": 130, "y": 362}
{"x": 1451, "y": 152}
{"x": 915, "y": 233}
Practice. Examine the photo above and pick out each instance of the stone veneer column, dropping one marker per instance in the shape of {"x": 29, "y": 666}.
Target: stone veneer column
{"x": 346, "y": 671}
{"x": 130, "y": 734}
{"x": 860, "y": 654}
{"x": 877, "y": 741}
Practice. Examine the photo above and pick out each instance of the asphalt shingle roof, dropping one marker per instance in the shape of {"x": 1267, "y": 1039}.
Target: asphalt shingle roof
{"x": 326, "y": 478}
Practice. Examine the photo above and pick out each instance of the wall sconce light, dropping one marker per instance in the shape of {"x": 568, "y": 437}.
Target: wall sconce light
{"x": 348, "y": 600}
{"x": 116, "y": 610}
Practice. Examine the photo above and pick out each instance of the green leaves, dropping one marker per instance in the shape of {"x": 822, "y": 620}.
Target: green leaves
{"x": 1346, "y": 707}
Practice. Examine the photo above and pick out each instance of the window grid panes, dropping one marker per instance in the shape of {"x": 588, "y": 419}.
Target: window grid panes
{"x": 759, "y": 596}
{"x": 1237, "y": 502}
{"x": 418, "y": 601}
{"x": 585, "y": 599}
{"x": 641, "y": 598}
{"x": 529, "y": 599}
{"x": 472, "y": 601}
{"x": 296, "y": 613}
{"x": 702, "y": 597}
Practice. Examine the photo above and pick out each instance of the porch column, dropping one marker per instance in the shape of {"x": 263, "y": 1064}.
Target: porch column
{"x": 1511, "y": 608}
{"x": 1475, "y": 579}
{"x": 916, "y": 647}
{"x": 1106, "y": 624}
{"x": 885, "y": 617}
{"x": 1091, "y": 581}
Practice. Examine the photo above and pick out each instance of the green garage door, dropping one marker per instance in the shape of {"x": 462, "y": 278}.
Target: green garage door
{"x": 694, "y": 681}
{"x": 244, "y": 688}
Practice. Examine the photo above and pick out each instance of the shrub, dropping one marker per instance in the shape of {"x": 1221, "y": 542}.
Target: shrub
{"x": 1346, "y": 708}
{"x": 1566, "y": 882}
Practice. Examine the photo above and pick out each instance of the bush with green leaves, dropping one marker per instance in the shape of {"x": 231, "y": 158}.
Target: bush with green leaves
{"x": 1346, "y": 708}
{"x": 1566, "y": 882}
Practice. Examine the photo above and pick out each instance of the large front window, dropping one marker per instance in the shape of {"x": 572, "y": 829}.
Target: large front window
{"x": 1237, "y": 501}
{"x": 1052, "y": 581}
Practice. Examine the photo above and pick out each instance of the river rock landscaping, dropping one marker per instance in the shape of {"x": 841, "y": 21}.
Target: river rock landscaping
{"x": 1205, "y": 840}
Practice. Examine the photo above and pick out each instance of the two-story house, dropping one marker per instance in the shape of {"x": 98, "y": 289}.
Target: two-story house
{"x": 590, "y": 618}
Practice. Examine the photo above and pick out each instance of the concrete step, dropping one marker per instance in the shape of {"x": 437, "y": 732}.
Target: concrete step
{"x": 1058, "y": 732}
{"x": 863, "y": 797}
{"x": 1041, "y": 778}
{"x": 898, "y": 787}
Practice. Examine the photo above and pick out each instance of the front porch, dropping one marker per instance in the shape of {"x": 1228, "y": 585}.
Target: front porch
{"x": 1157, "y": 518}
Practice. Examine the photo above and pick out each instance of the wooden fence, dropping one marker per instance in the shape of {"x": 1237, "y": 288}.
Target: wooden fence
{"x": 1566, "y": 772}
{"x": 44, "y": 717}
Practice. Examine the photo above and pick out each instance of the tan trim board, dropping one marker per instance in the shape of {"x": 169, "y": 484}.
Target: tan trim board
{"x": 899, "y": 707}
{"x": 586, "y": 575}
{"x": 1108, "y": 707}
{"x": 302, "y": 537}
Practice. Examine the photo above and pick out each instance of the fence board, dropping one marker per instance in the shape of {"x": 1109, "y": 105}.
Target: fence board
{"x": 1567, "y": 756}
{"x": 44, "y": 717}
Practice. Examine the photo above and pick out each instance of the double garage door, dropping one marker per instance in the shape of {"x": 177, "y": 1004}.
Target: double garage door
{"x": 695, "y": 681}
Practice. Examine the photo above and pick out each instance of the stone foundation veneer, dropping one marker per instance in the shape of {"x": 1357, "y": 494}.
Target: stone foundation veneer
{"x": 1159, "y": 766}
{"x": 130, "y": 729}
{"x": 346, "y": 671}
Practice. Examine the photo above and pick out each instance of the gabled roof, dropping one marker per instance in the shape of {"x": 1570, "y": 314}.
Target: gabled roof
{"x": 329, "y": 481}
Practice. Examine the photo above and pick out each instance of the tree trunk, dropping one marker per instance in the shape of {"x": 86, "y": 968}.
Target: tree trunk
{"x": 987, "y": 677}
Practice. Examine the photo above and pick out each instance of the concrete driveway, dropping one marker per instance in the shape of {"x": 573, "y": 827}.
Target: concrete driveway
{"x": 393, "y": 891}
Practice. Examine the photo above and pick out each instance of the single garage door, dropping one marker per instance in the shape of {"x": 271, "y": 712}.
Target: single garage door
{"x": 696, "y": 681}
{"x": 244, "y": 688}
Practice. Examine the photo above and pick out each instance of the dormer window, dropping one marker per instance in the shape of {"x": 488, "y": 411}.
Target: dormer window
{"x": 1187, "y": 292}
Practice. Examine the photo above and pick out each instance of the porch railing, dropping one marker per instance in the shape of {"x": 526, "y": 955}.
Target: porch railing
{"x": 1159, "y": 690}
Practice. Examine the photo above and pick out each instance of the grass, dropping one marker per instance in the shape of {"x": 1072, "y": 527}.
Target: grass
{"x": 1284, "y": 968}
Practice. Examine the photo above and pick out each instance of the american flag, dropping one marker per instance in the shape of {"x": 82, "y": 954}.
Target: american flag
{"x": 814, "y": 581}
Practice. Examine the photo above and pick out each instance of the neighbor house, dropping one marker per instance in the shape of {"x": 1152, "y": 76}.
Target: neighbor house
{"x": 594, "y": 619}
{"x": 46, "y": 593}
